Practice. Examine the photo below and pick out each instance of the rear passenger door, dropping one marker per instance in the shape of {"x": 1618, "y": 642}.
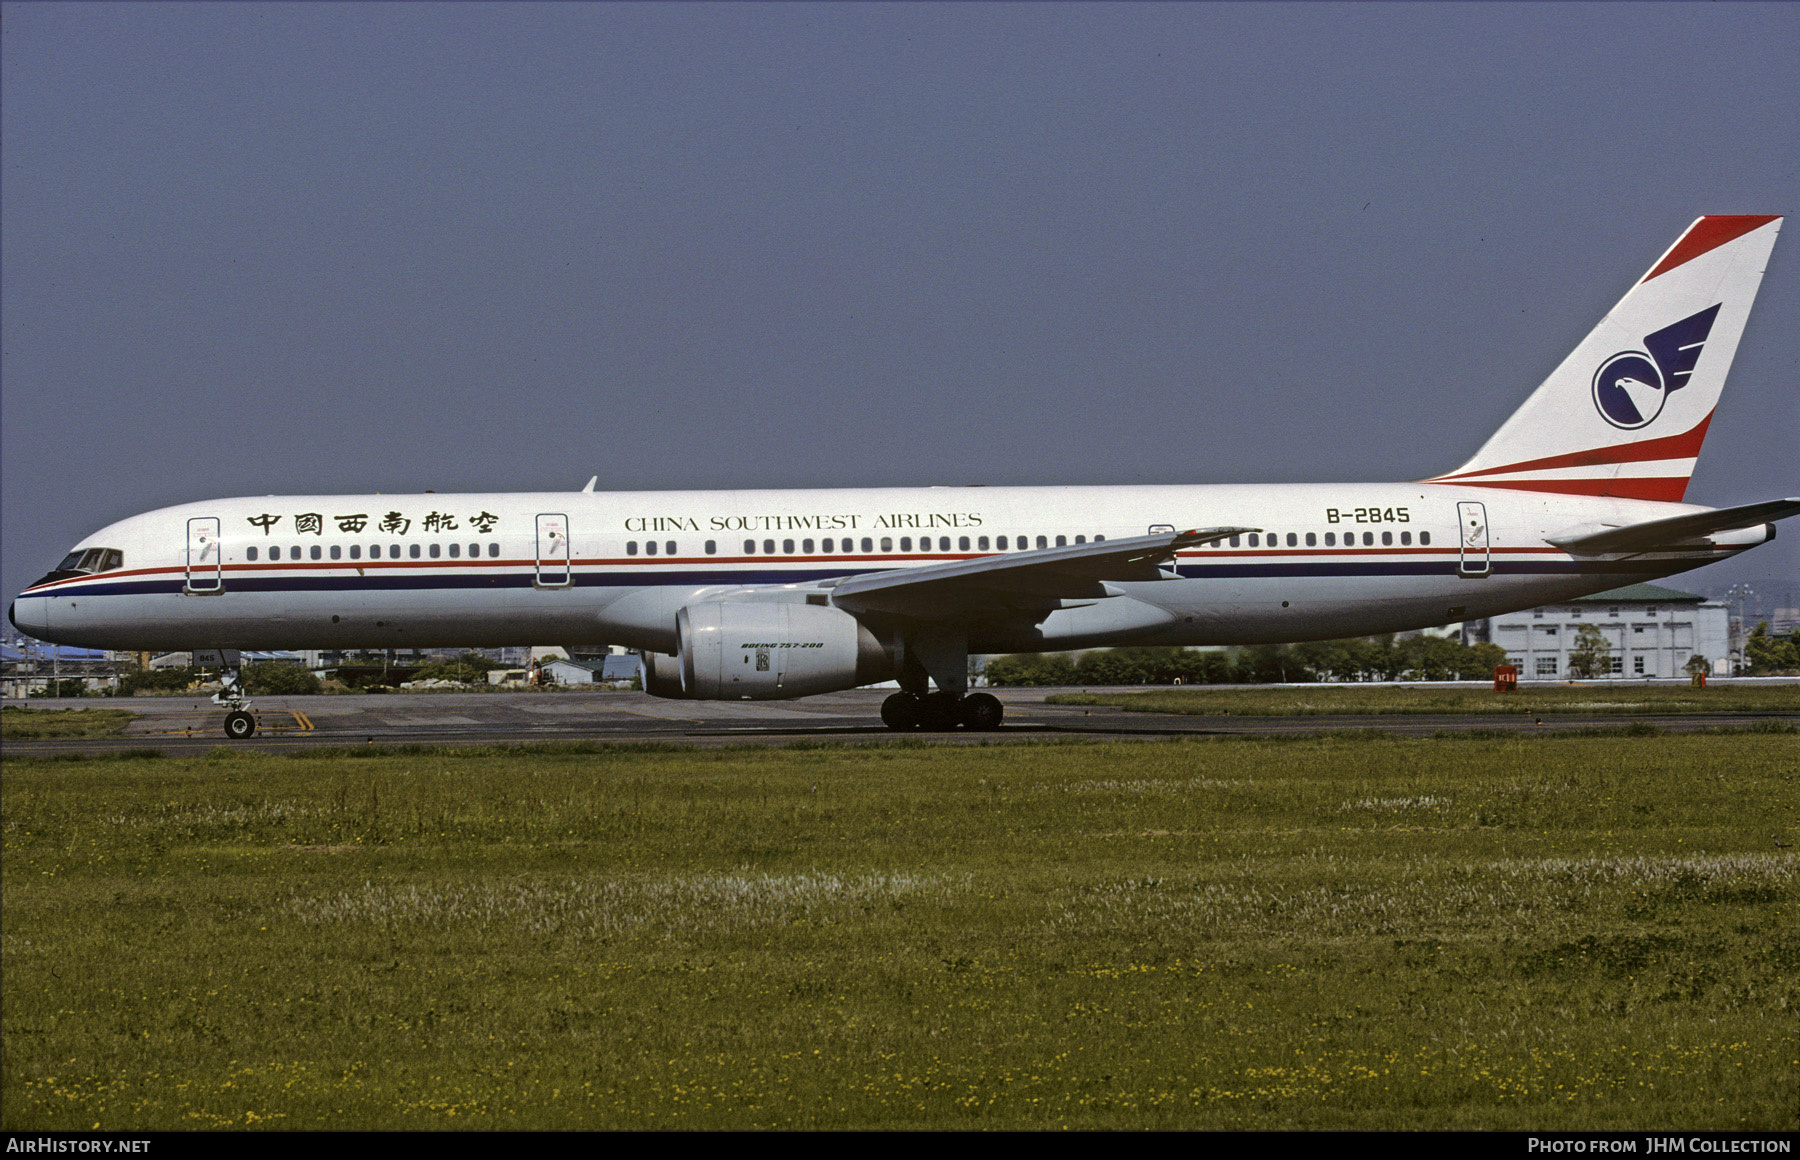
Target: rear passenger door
{"x": 1473, "y": 557}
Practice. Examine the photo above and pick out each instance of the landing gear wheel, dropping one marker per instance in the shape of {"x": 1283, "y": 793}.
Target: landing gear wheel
{"x": 239, "y": 725}
{"x": 901, "y": 712}
{"x": 941, "y": 713}
{"x": 981, "y": 711}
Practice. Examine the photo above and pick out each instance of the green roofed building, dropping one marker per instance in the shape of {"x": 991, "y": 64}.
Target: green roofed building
{"x": 1651, "y": 631}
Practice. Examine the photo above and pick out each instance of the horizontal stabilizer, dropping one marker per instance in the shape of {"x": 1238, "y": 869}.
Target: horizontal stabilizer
{"x": 1078, "y": 571}
{"x": 1674, "y": 530}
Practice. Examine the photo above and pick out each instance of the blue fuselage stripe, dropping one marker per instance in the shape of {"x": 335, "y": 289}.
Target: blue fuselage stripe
{"x": 646, "y": 577}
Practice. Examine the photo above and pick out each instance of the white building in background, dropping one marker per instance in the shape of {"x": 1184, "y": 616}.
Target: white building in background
{"x": 1651, "y": 631}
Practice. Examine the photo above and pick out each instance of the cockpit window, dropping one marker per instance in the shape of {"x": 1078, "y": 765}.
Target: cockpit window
{"x": 86, "y": 561}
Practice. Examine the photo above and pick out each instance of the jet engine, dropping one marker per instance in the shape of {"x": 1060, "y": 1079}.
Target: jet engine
{"x": 757, "y": 651}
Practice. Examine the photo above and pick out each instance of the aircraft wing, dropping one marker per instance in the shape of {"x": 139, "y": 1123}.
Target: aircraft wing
{"x": 1673, "y": 531}
{"x": 1041, "y": 579}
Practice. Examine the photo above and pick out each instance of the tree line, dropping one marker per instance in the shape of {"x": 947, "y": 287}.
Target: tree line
{"x": 1766, "y": 654}
{"x": 1379, "y": 658}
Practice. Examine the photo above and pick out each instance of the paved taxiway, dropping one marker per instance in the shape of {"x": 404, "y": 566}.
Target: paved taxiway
{"x": 178, "y": 725}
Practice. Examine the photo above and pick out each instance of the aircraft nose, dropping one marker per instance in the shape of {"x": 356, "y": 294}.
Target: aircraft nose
{"x": 29, "y": 616}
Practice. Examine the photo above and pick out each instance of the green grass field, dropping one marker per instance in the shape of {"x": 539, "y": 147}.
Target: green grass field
{"x": 21, "y": 723}
{"x": 1330, "y": 700}
{"x": 1333, "y": 932}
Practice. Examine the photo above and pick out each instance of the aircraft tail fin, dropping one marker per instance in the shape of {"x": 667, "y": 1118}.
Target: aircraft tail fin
{"x": 1626, "y": 412}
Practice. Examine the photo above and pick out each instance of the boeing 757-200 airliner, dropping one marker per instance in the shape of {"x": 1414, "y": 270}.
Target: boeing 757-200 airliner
{"x": 776, "y": 594}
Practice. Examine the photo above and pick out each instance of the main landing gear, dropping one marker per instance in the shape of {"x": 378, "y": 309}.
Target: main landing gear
{"x": 942, "y": 712}
{"x": 240, "y": 724}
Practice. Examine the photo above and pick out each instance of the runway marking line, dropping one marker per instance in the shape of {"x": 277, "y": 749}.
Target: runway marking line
{"x": 302, "y": 720}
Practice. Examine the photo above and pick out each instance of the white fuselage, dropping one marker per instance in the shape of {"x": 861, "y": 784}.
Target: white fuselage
{"x": 478, "y": 570}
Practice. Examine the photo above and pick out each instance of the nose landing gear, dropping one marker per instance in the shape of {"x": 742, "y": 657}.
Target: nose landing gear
{"x": 239, "y": 722}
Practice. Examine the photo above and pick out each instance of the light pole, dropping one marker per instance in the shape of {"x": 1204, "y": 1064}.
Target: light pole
{"x": 1739, "y": 634}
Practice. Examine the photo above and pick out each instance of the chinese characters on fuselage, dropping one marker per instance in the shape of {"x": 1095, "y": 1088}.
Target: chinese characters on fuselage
{"x": 396, "y": 522}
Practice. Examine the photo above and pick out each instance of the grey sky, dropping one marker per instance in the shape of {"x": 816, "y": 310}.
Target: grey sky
{"x": 274, "y": 248}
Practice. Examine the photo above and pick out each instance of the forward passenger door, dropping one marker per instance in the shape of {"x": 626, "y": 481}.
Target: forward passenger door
{"x": 205, "y": 563}
{"x": 553, "y": 551}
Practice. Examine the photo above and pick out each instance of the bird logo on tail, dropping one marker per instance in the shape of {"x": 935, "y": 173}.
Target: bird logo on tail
{"x": 1631, "y": 387}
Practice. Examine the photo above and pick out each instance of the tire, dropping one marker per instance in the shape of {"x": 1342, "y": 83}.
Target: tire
{"x": 901, "y": 712}
{"x": 982, "y": 711}
{"x": 941, "y": 713}
{"x": 239, "y": 725}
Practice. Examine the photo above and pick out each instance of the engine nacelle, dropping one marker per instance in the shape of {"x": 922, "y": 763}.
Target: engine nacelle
{"x": 756, "y": 651}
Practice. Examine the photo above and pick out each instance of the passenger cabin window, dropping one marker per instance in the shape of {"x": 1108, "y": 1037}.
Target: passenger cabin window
{"x": 413, "y": 551}
{"x": 1062, "y": 541}
{"x": 827, "y": 545}
{"x": 1387, "y": 538}
{"x": 668, "y": 547}
{"x": 493, "y": 549}
{"x": 906, "y": 543}
{"x": 962, "y": 544}
{"x": 455, "y": 551}
{"x": 355, "y": 552}
{"x": 768, "y": 547}
{"x": 1042, "y": 542}
{"x": 250, "y": 552}
{"x": 337, "y": 552}
{"x": 1405, "y": 538}
{"x": 749, "y": 547}
{"x": 712, "y": 547}
{"x": 981, "y": 544}
{"x": 435, "y": 550}
{"x": 887, "y": 544}
{"x": 1331, "y": 539}
{"x": 787, "y": 547}
{"x": 806, "y": 547}
{"x": 649, "y": 547}
{"x": 1425, "y": 538}
{"x": 275, "y": 552}
{"x": 1312, "y": 539}
{"x": 868, "y": 545}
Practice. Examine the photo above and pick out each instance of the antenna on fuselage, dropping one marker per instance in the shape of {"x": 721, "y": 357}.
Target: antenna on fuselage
{"x": 590, "y": 485}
